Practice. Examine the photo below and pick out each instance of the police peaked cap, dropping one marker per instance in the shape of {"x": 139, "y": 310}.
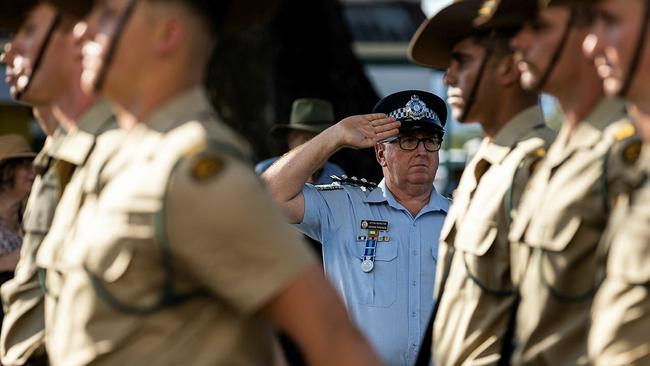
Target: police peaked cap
{"x": 432, "y": 43}
{"x": 13, "y": 13}
{"x": 417, "y": 110}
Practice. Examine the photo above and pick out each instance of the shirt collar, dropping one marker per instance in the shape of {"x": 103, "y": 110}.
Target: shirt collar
{"x": 193, "y": 103}
{"x": 382, "y": 194}
{"x": 590, "y": 131}
{"x": 78, "y": 143}
{"x": 511, "y": 133}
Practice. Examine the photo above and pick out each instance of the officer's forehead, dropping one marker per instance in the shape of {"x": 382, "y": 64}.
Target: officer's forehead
{"x": 419, "y": 134}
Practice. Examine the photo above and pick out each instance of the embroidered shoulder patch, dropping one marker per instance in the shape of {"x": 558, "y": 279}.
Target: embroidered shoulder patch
{"x": 539, "y": 152}
{"x": 625, "y": 131}
{"x": 206, "y": 167}
{"x": 631, "y": 152}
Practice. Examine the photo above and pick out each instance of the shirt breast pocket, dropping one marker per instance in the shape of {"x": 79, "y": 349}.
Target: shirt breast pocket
{"x": 485, "y": 267}
{"x": 378, "y": 286}
{"x": 122, "y": 262}
{"x": 566, "y": 259}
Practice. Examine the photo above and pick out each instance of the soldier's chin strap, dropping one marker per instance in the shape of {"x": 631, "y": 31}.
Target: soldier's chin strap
{"x": 39, "y": 55}
{"x": 638, "y": 52}
{"x": 558, "y": 50}
{"x": 112, "y": 48}
{"x": 471, "y": 99}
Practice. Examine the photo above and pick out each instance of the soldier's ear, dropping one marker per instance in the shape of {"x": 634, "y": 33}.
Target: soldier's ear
{"x": 507, "y": 71}
{"x": 380, "y": 154}
{"x": 169, "y": 35}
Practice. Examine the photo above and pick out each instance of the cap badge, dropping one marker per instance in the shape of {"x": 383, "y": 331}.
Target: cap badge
{"x": 415, "y": 109}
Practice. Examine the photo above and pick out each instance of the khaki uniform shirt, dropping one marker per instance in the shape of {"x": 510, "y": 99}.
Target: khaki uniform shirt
{"x": 163, "y": 207}
{"x": 560, "y": 220}
{"x": 621, "y": 310}
{"x": 478, "y": 296}
{"x": 22, "y": 328}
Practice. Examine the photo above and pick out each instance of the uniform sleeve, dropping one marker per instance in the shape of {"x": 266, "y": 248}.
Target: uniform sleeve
{"x": 322, "y": 208}
{"x": 225, "y": 231}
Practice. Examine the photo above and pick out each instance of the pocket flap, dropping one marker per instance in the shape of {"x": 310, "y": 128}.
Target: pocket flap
{"x": 478, "y": 239}
{"x": 555, "y": 238}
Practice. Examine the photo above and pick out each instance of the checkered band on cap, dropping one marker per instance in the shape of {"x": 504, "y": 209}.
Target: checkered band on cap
{"x": 415, "y": 109}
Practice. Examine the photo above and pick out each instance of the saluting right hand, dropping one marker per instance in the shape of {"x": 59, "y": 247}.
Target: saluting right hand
{"x": 364, "y": 131}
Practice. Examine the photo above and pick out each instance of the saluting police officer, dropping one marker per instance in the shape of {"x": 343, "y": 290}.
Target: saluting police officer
{"x": 566, "y": 206}
{"x": 619, "y": 45}
{"x": 474, "y": 289}
{"x": 380, "y": 242}
{"x": 44, "y": 71}
{"x": 177, "y": 256}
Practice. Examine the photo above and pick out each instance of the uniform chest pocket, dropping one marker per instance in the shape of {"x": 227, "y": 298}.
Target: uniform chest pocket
{"x": 379, "y": 286}
{"x": 555, "y": 236}
{"x": 486, "y": 263}
{"x": 568, "y": 271}
{"x": 123, "y": 262}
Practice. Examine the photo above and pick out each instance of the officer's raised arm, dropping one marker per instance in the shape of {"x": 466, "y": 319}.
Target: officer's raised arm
{"x": 286, "y": 178}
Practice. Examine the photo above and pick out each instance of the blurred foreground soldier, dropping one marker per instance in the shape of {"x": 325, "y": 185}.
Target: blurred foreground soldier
{"x": 309, "y": 117}
{"x": 176, "y": 255}
{"x": 43, "y": 70}
{"x": 566, "y": 206}
{"x": 619, "y": 46}
{"x": 380, "y": 242}
{"x": 475, "y": 292}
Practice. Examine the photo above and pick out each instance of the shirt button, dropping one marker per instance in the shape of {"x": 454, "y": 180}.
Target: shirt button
{"x": 414, "y": 314}
{"x": 415, "y": 252}
{"x": 415, "y": 283}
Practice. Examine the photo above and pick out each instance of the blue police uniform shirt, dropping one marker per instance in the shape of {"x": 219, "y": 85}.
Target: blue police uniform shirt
{"x": 391, "y": 304}
{"x": 329, "y": 169}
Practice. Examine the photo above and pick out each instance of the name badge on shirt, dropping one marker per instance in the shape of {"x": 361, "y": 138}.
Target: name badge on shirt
{"x": 374, "y": 236}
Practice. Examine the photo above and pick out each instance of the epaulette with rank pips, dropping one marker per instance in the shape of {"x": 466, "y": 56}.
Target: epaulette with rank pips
{"x": 354, "y": 181}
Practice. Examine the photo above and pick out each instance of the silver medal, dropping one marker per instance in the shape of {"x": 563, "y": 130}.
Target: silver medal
{"x": 367, "y": 265}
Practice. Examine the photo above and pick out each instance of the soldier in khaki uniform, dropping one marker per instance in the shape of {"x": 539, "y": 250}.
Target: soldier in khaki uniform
{"x": 174, "y": 254}
{"x": 474, "y": 276}
{"x": 44, "y": 72}
{"x": 566, "y": 206}
{"x": 618, "y": 44}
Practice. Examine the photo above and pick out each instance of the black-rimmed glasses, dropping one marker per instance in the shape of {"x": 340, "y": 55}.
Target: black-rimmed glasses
{"x": 410, "y": 143}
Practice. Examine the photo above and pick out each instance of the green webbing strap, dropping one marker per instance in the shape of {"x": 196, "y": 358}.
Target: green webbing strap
{"x": 169, "y": 296}
{"x": 481, "y": 285}
{"x": 507, "y": 343}
{"x": 603, "y": 184}
{"x": 561, "y": 297}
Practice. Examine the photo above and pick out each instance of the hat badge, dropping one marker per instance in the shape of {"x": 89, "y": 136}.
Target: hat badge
{"x": 416, "y": 108}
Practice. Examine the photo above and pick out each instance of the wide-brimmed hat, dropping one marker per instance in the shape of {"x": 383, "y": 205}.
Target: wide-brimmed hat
{"x": 13, "y": 13}
{"x": 78, "y": 8}
{"x": 432, "y": 43}
{"x": 14, "y": 147}
{"x": 417, "y": 110}
{"x": 308, "y": 115}
{"x": 505, "y": 13}
{"x": 239, "y": 14}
